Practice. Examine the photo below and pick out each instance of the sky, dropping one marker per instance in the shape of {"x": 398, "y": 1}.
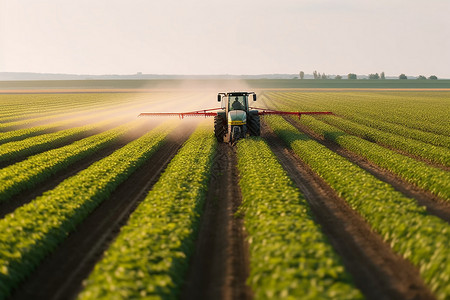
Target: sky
{"x": 226, "y": 37}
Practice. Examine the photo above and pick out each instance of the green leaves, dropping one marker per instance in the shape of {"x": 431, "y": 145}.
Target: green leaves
{"x": 290, "y": 257}
{"x": 32, "y": 231}
{"x": 150, "y": 256}
{"x": 419, "y": 237}
{"x": 28, "y": 173}
{"x": 419, "y": 173}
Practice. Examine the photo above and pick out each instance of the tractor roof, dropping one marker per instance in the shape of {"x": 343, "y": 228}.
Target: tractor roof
{"x": 239, "y": 93}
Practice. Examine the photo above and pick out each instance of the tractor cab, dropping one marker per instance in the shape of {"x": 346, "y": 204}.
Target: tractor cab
{"x": 237, "y": 102}
{"x": 236, "y": 120}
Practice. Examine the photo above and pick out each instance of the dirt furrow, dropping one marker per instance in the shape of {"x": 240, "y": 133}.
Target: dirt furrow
{"x": 220, "y": 264}
{"x": 377, "y": 271}
{"x": 61, "y": 274}
{"x": 434, "y": 205}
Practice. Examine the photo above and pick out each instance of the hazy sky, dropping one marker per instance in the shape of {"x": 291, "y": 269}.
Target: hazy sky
{"x": 225, "y": 37}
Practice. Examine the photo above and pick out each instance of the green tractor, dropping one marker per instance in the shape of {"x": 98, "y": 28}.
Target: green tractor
{"x": 236, "y": 119}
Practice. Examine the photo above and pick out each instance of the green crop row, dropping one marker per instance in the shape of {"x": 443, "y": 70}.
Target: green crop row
{"x": 20, "y": 134}
{"x": 35, "y": 106}
{"x": 150, "y": 256}
{"x": 393, "y": 139}
{"x": 355, "y": 114}
{"x": 290, "y": 258}
{"x": 19, "y": 149}
{"x": 99, "y": 109}
{"x": 440, "y": 155}
{"x": 419, "y": 173}
{"x": 407, "y": 227}
{"x": 411, "y": 110}
{"x": 36, "y": 169}
{"x": 23, "y": 133}
{"x": 397, "y": 129}
{"x": 32, "y": 231}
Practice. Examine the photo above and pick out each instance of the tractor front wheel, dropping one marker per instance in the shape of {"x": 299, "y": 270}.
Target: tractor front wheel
{"x": 219, "y": 128}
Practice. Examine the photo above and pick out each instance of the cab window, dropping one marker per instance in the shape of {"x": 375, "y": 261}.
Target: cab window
{"x": 237, "y": 103}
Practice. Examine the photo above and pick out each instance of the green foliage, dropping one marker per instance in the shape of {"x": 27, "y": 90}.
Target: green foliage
{"x": 20, "y": 149}
{"x": 433, "y": 153}
{"x": 290, "y": 257}
{"x": 419, "y": 237}
{"x": 32, "y": 231}
{"x": 150, "y": 256}
{"x": 419, "y": 173}
{"x": 407, "y": 116}
{"x": 36, "y": 169}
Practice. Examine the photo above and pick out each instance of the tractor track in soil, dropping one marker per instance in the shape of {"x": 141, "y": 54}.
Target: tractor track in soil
{"x": 60, "y": 275}
{"x": 435, "y": 205}
{"x": 219, "y": 265}
{"x": 376, "y": 270}
{"x": 50, "y": 183}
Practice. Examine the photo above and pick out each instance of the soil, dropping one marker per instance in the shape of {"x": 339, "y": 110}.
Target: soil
{"x": 220, "y": 264}
{"x": 434, "y": 205}
{"x": 376, "y": 270}
{"x": 61, "y": 274}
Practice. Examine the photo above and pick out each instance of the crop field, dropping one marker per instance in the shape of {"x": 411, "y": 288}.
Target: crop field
{"x": 96, "y": 203}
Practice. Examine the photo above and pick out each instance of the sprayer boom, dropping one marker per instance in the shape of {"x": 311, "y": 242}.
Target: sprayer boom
{"x": 235, "y": 118}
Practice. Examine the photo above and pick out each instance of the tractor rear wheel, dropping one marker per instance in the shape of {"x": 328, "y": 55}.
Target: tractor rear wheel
{"x": 219, "y": 128}
{"x": 254, "y": 125}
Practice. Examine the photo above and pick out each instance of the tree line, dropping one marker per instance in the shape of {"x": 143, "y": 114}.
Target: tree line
{"x": 318, "y": 75}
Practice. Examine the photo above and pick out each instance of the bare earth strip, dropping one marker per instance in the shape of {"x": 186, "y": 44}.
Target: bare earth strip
{"x": 377, "y": 271}
{"x": 435, "y": 205}
{"x": 220, "y": 265}
{"x": 60, "y": 276}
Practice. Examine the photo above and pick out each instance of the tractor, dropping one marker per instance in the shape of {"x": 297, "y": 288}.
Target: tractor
{"x": 235, "y": 119}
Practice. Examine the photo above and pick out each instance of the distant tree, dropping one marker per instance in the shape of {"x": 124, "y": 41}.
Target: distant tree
{"x": 382, "y": 75}
{"x": 338, "y": 77}
{"x": 433, "y": 77}
{"x": 374, "y": 76}
{"x": 302, "y": 74}
{"x": 402, "y": 76}
{"x": 421, "y": 77}
{"x": 352, "y": 76}
{"x": 315, "y": 74}
{"x": 323, "y": 76}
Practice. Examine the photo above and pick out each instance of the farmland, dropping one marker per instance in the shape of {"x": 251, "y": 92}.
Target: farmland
{"x": 96, "y": 203}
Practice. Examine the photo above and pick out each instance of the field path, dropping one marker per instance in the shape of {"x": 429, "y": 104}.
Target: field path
{"x": 61, "y": 274}
{"x": 377, "y": 271}
{"x": 220, "y": 263}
